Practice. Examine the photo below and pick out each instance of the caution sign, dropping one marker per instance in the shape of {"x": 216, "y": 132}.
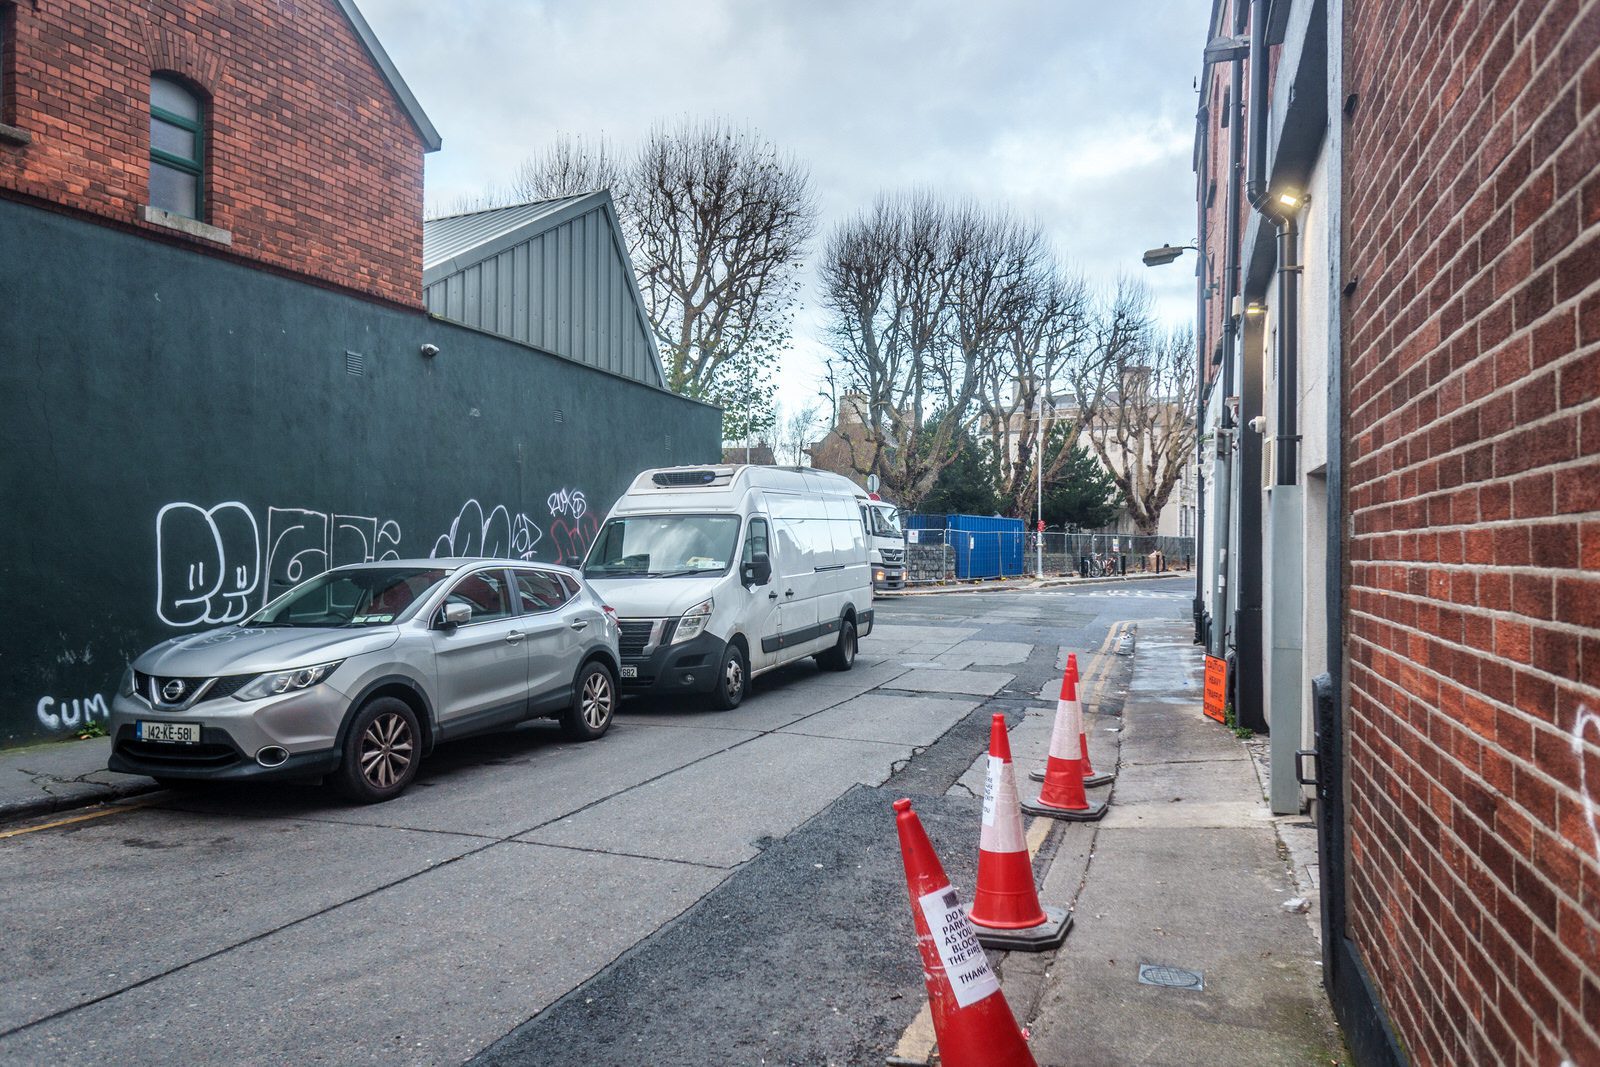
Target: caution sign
{"x": 965, "y": 965}
{"x": 1216, "y": 696}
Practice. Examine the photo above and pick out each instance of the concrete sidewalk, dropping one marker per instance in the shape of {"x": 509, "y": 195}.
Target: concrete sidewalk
{"x": 1185, "y": 872}
{"x": 58, "y": 775}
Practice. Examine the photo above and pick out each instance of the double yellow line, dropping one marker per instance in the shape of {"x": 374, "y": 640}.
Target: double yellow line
{"x": 102, "y": 813}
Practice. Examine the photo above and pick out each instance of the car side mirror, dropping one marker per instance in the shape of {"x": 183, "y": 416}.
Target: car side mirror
{"x": 455, "y": 615}
{"x": 574, "y": 562}
{"x": 758, "y": 571}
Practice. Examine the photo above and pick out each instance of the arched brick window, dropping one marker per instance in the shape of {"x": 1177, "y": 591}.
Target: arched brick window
{"x": 177, "y": 147}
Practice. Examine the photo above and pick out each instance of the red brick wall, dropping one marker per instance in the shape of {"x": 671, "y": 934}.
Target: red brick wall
{"x": 1472, "y": 198}
{"x": 312, "y": 165}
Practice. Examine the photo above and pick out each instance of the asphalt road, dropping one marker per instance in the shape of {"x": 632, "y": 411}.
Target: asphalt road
{"x": 696, "y": 887}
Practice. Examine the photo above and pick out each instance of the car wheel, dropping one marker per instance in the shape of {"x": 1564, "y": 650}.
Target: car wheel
{"x": 842, "y": 656}
{"x": 381, "y": 751}
{"x": 733, "y": 678}
{"x": 594, "y": 702}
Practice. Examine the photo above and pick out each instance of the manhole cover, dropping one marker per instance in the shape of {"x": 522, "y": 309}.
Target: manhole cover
{"x": 1168, "y": 975}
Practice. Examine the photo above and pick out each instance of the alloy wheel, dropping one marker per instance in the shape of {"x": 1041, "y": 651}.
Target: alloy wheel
{"x": 386, "y": 750}
{"x": 597, "y": 699}
{"x": 734, "y": 679}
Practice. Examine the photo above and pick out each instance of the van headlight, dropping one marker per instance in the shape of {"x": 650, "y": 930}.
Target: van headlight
{"x": 280, "y": 682}
{"x": 694, "y": 622}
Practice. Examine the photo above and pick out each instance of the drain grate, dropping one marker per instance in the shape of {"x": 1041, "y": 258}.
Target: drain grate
{"x": 1164, "y": 974}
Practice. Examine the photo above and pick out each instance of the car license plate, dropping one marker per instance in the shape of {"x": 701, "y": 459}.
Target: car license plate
{"x": 182, "y": 733}
{"x": 630, "y": 672}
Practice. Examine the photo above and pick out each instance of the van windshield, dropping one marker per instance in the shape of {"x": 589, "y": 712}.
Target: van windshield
{"x": 663, "y": 546}
{"x": 885, "y": 521}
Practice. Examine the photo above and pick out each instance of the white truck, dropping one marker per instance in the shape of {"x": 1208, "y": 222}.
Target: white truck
{"x": 888, "y": 542}
{"x": 719, "y": 573}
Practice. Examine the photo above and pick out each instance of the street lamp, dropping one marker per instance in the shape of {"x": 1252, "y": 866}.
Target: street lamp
{"x": 1160, "y": 257}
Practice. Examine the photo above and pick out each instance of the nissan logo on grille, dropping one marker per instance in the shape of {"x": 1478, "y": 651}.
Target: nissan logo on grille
{"x": 173, "y": 691}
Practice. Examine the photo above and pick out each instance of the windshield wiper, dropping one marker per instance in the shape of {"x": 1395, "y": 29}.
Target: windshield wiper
{"x": 680, "y": 573}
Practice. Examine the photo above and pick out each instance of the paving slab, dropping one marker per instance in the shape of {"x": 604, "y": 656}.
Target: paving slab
{"x": 984, "y": 653}
{"x": 880, "y": 717}
{"x": 975, "y": 683}
{"x": 237, "y": 877}
{"x": 730, "y": 806}
{"x": 59, "y": 775}
{"x": 456, "y": 958}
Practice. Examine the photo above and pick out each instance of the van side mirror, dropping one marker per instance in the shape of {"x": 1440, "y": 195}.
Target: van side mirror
{"x": 758, "y": 571}
{"x": 455, "y": 615}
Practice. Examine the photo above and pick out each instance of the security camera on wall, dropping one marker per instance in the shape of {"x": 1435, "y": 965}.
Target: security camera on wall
{"x": 429, "y": 351}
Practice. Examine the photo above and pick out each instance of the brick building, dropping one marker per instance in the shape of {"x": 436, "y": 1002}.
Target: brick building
{"x": 222, "y": 378}
{"x": 1413, "y": 524}
{"x": 287, "y": 137}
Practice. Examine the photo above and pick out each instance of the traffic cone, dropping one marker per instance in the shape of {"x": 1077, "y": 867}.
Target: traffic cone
{"x": 973, "y": 1022}
{"x": 1062, "y": 796}
{"x": 1090, "y": 778}
{"x": 1005, "y": 908}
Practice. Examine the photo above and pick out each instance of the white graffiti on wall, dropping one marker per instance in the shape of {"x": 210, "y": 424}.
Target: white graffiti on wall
{"x": 567, "y": 502}
{"x": 210, "y": 562}
{"x": 494, "y": 533}
{"x": 68, "y": 714}
{"x": 1580, "y": 745}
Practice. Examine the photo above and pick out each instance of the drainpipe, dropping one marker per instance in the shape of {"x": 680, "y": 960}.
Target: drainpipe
{"x": 1202, "y": 130}
{"x": 1285, "y": 458}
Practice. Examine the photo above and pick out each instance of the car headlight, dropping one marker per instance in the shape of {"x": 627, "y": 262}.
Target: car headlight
{"x": 694, "y": 622}
{"x": 127, "y": 688}
{"x": 280, "y": 682}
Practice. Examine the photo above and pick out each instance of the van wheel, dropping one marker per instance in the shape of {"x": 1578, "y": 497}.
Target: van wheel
{"x": 381, "y": 752}
{"x": 842, "y": 656}
{"x": 733, "y": 679}
{"x": 594, "y": 701}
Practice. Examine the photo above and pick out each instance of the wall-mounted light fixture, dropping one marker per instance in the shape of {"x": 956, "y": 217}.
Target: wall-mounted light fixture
{"x": 1255, "y": 308}
{"x": 429, "y": 351}
{"x": 1291, "y": 200}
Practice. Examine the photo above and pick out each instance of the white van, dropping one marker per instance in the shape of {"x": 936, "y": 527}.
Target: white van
{"x": 719, "y": 573}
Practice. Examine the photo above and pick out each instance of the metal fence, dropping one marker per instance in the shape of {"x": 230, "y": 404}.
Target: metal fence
{"x": 957, "y": 555}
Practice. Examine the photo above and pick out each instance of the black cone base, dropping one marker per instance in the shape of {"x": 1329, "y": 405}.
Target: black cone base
{"x": 1048, "y": 934}
{"x": 1093, "y": 813}
{"x": 1089, "y": 780}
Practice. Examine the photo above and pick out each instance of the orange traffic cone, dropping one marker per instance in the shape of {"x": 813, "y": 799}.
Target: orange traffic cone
{"x": 1090, "y": 778}
{"x": 1005, "y": 908}
{"x": 1062, "y": 796}
{"x": 971, "y": 1018}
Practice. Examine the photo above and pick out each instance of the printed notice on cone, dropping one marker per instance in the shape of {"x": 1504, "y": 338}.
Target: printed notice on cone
{"x": 991, "y": 785}
{"x": 965, "y": 965}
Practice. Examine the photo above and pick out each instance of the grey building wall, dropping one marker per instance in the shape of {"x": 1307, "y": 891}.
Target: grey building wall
{"x": 182, "y": 436}
{"x": 555, "y": 275}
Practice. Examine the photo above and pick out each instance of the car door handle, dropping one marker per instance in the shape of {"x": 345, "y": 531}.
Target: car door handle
{"x": 514, "y": 636}
{"x": 772, "y": 595}
{"x": 788, "y": 592}
{"x": 579, "y": 624}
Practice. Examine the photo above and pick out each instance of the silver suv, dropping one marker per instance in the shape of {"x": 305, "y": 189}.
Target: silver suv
{"x": 360, "y": 671}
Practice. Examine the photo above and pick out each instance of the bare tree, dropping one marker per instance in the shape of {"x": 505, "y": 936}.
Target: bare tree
{"x": 1143, "y": 431}
{"x": 795, "y": 432}
{"x": 717, "y": 220}
{"x": 922, "y": 294}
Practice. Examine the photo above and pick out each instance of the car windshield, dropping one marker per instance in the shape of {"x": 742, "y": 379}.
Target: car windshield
{"x": 885, "y": 522}
{"x": 362, "y": 596}
{"x": 663, "y": 546}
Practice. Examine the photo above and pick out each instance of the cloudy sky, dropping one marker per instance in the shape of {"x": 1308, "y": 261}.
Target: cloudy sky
{"x": 1077, "y": 113}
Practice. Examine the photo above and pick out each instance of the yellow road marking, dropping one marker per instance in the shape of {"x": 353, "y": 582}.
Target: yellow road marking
{"x": 1038, "y": 830}
{"x": 916, "y": 1044}
{"x": 119, "y": 809}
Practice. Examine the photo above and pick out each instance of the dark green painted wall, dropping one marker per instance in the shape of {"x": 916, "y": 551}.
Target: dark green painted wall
{"x": 173, "y": 425}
